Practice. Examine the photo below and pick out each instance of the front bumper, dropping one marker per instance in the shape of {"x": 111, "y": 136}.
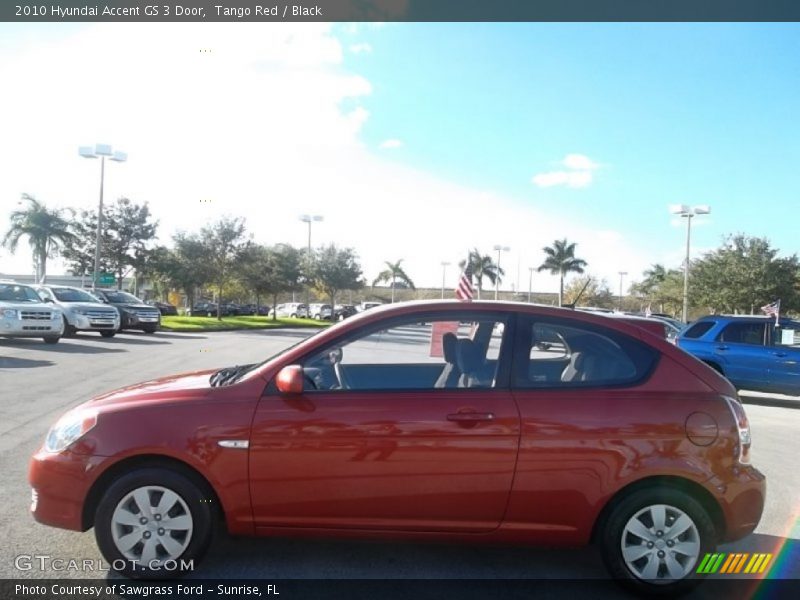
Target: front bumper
{"x": 90, "y": 323}
{"x": 31, "y": 328}
{"x": 60, "y": 483}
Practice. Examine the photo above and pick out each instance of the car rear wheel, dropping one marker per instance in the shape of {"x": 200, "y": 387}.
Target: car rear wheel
{"x": 153, "y": 524}
{"x": 654, "y": 538}
{"x": 108, "y": 334}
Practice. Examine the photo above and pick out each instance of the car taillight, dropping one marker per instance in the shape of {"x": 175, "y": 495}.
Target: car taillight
{"x": 743, "y": 427}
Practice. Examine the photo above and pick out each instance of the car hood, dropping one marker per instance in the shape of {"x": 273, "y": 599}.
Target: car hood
{"x": 87, "y": 306}
{"x": 133, "y": 305}
{"x": 174, "y": 387}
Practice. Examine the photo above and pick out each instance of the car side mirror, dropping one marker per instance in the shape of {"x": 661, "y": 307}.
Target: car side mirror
{"x": 290, "y": 380}
{"x": 50, "y": 300}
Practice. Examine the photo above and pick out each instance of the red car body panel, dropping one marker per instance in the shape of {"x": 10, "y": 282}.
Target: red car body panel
{"x": 398, "y": 463}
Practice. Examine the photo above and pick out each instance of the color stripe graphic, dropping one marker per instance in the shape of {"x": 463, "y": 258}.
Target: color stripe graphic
{"x": 734, "y": 563}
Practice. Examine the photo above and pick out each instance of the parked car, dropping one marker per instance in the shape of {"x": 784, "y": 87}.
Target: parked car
{"x": 209, "y": 309}
{"x": 231, "y": 309}
{"x": 253, "y": 309}
{"x": 460, "y": 429}
{"x": 133, "y": 313}
{"x": 751, "y": 351}
{"x": 165, "y": 308}
{"x": 343, "y": 311}
{"x": 367, "y": 305}
{"x": 23, "y": 314}
{"x": 291, "y": 309}
{"x": 80, "y": 310}
{"x": 320, "y": 311}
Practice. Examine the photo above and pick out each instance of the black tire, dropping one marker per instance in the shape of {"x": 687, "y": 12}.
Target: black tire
{"x": 195, "y": 501}
{"x": 293, "y": 315}
{"x": 612, "y": 540}
{"x": 51, "y": 339}
{"x": 108, "y": 334}
{"x": 69, "y": 330}
{"x": 149, "y": 328}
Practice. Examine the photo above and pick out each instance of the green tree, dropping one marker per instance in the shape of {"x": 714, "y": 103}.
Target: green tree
{"x": 595, "y": 292}
{"x": 482, "y": 266}
{"x": 742, "y": 275}
{"x": 223, "y": 243}
{"x": 184, "y": 266}
{"x": 270, "y": 271}
{"x": 394, "y": 273}
{"x": 560, "y": 260}
{"x": 46, "y": 229}
{"x": 127, "y": 231}
{"x": 335, "y": 270}
{"x": 661, "y": 289}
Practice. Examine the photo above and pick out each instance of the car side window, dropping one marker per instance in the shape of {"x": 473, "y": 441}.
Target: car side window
{"x": 438, "y": 353}
{"x": 698, "y": 330}
{"x": 743, "y": 333}
{"x": 563, "y": 354}
{"x": 787, "y": 334}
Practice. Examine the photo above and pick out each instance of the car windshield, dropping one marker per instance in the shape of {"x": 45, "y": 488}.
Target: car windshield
{"x": 18, "y": 293}
{"x": 121, "y": 297}
{"x": 72, "y": 295}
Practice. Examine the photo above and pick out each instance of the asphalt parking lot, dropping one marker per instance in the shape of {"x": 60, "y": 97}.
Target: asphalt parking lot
{"x": 38, "y": 382}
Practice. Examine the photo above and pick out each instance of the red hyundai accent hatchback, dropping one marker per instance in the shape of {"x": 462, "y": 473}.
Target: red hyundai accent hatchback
{"x": 476, "y": 422}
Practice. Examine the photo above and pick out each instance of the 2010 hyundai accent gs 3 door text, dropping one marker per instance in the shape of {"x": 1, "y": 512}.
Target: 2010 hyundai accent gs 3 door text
{"x": 476, "y": 422}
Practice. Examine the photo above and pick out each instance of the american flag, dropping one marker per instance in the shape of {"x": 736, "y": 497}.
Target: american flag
{"x": 772, "y": 310}
{"x": 464, "y": 291}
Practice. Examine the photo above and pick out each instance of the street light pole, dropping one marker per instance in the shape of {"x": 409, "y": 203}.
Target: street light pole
{"x": 444, "y": 270}
{"x": 621, "y": 275}
{"x": 310, "y": 219}
{"x": 688, "y": 212}
{"x": 530, "y": 283}
{"x": 100, "y": 150}
{"x": 499, "y": 249}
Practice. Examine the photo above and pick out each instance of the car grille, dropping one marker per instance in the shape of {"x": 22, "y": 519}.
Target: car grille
{"x": 147, "y": 314}
{"x": 101, "y": 314}
{"x": 36, "y": 315}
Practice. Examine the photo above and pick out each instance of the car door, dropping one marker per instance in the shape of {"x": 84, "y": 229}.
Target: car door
{"x": 741, "y": 348}
{"x": 581, "y": 425}
{"x": 784, "y": 370}
{"x": 388, "y": 449}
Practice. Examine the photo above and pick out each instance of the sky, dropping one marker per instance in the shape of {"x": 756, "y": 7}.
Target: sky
{"x": 417, "y": 141}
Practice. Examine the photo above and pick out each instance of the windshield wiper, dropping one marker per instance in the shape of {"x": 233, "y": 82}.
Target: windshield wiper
{"x": 229, "y": 374}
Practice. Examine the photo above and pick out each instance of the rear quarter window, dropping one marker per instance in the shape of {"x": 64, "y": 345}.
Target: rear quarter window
{"x": 698, "y": 330}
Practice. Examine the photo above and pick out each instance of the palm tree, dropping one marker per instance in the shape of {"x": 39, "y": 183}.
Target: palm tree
{"x": 46, "y": 229}
{"x": 560, "y": 261}
{"x": 482, "y": 266}
{"x": 394, "y": 272}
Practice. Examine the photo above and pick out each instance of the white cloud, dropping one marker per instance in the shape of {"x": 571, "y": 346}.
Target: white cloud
{"x": 572, "y": 179}
{"x": 361, "y": 48}
{"x": 579, "y": 162}
{"x": 579, "y": 174}
{"x": 256, "y": 126}
{"x": 390, "y": 144}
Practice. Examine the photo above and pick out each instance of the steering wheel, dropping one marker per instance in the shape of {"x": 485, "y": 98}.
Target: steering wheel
{"x": 335, "y": 355}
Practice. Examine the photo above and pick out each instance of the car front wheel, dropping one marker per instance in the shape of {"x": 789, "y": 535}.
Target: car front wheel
{"x": 149, "y": 328}
{"x": 154, "y": 524}
{"x": 108, "y": 333}
{"x": 51, "y": 339}
{"x": 654, "y": 539}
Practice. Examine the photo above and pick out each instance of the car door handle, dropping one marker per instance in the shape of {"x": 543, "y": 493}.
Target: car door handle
{"x": 470, "y": 417}
{"x": 722, "y": 347}
{"x": 780, "y": 354}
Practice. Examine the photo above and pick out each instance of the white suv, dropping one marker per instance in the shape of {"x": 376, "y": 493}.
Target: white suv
{"x": 23, "y": 314}
{"x": 81, "y": 310}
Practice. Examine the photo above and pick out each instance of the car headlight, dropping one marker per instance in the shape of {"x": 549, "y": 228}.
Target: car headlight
{"x": 80, "y": 311}
{"x": 69, "y": 428}
{"x": 9, "y": 313}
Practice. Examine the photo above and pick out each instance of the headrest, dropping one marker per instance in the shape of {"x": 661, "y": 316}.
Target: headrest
{"x": 469, "y": 357}
{"x": 449, "y": 343}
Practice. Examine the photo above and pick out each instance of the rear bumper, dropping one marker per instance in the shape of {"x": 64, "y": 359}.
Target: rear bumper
{"x": 742, "y": 495}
